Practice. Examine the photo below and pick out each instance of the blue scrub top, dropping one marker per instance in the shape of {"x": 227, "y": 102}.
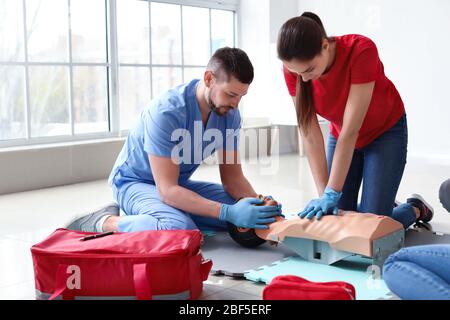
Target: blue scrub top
{"x": 174, "y": 121}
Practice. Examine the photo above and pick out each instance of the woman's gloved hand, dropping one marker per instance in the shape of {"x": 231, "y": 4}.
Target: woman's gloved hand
{"x": 323, "y": 205}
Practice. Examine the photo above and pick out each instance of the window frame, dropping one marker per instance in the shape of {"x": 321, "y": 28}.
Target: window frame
{"x": 112, "y": 66}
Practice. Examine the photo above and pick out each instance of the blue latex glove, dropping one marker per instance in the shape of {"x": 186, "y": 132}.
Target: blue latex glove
{"x": 279, "y": 205}
{"x": 246, "y": 214}
{"x": 325, "y": 204}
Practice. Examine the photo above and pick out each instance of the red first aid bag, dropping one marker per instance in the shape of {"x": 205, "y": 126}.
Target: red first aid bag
{"x": 291, "y": 287}
{"x": 165, "y": 264}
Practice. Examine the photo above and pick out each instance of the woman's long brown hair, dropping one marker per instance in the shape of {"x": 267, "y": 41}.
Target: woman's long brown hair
{"x": 301, "y": 38}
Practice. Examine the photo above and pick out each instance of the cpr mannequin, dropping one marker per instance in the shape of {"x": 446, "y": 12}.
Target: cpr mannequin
{"x": 348, "y": 231}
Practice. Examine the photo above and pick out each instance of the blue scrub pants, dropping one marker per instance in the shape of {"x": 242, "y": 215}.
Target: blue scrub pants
{"x": 144, "y": 209}
{"x": 379, "y": 166}
{"x": 419, "y": 273}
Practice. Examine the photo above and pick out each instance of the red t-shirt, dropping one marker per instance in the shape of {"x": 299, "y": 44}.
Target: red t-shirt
{"x": 356, "y": 61}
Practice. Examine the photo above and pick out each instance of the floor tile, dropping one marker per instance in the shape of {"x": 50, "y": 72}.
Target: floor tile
{"x": 223, "y": 281}
{"x": 21, "y": 291}
{"x": 15, "y": 262}
{"x": 32, "y": 236}
{"x": 51, "y": 207}
{"x": 250, "y": 287}
{"x": 230, "y": 294}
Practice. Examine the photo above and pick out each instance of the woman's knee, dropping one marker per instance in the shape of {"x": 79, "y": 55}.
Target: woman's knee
{"x": 390, "y": 261}
{"x": 403, "y": 276}
{"x": 403, "y": 255}
{"x": 430, "y": 257}
{"x": 444, "y": 194}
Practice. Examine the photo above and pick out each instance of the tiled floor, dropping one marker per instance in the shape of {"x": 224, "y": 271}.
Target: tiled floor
{"x": 26, "y": 218}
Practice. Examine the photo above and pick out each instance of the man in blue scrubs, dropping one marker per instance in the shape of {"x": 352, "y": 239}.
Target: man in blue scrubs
{"x": 151, "y": 177}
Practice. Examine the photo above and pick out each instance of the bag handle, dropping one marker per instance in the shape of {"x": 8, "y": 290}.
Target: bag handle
{"x": 141, "y": 281}
{"x": 61, "y": 283}
{"x": 205, "y": 268}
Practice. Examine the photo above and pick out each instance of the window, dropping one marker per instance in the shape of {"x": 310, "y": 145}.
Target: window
{"x": 53, "y": 79}
{"x": 84, "y": 69}
{"x": 161, "y": 45}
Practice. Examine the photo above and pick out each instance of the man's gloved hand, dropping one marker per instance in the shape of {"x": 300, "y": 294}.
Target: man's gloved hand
{"x": 272, "y": 200}
{"x": 249, "y": 213}
{"x": 325, "y": 204}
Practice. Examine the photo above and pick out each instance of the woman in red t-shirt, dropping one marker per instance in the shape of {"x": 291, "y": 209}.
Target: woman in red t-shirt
{"x": 342, "y": 79}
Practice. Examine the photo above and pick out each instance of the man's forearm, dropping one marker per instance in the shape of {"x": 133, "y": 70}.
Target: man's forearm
{"x": 239, "y": 188}
{"x": 189, "y": 201}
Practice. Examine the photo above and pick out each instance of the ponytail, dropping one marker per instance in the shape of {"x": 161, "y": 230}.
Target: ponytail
{"x": 304, "y": 104}
{"x": 314, "y": 17}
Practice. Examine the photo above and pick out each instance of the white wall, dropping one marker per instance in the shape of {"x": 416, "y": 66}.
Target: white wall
{"x": 43, "y": 166}
{"x": 259, "y": 22}
{"x": 253, "y": 34}
{"x": 412, "y": 38}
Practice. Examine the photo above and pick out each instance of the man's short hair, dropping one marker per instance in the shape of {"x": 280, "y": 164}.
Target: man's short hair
{"x": 227, "y": 62}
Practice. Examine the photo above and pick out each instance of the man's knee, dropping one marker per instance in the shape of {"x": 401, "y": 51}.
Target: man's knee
{"x": 177, "y": 224}
{"x": 444, "y": 195}
{"x": 145, "y": 222}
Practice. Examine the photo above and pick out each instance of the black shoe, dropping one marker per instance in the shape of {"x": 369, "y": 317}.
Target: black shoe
{"x": 426, "y": 210}
{"x": 87, "y": 221}
{"x": 422, "y": 226}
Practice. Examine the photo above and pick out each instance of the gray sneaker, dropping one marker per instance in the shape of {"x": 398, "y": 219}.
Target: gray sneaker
{"x": 87, "y": 221}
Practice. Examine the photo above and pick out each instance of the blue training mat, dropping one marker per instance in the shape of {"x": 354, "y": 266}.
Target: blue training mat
{"x": 352, "y": 270}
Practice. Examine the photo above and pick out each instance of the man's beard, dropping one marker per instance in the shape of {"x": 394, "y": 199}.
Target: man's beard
{"x": 213, "y": 107}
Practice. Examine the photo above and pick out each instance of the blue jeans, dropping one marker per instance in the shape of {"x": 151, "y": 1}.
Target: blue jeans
{"x": 419, "y": 273}
{"x": 379, "y": 166}
{"x": 144, "y": 209}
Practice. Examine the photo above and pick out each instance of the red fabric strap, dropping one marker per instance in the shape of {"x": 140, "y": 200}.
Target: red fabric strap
{"x": 141, "y": 282}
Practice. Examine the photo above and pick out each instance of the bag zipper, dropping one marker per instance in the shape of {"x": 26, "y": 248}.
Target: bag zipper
{"x": 174, "y": 253}
{"x": 120, "y": 255}
{"x": 310, "y": 289}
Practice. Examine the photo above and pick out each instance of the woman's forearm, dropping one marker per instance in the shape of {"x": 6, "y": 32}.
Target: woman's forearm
{"x": 315, "y": 151}
{"x": 342, "y": 160}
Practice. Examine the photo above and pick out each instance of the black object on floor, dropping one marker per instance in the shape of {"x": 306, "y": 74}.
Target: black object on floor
{"x": 231, "y": 259}
{"x": 424, "y": 237}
